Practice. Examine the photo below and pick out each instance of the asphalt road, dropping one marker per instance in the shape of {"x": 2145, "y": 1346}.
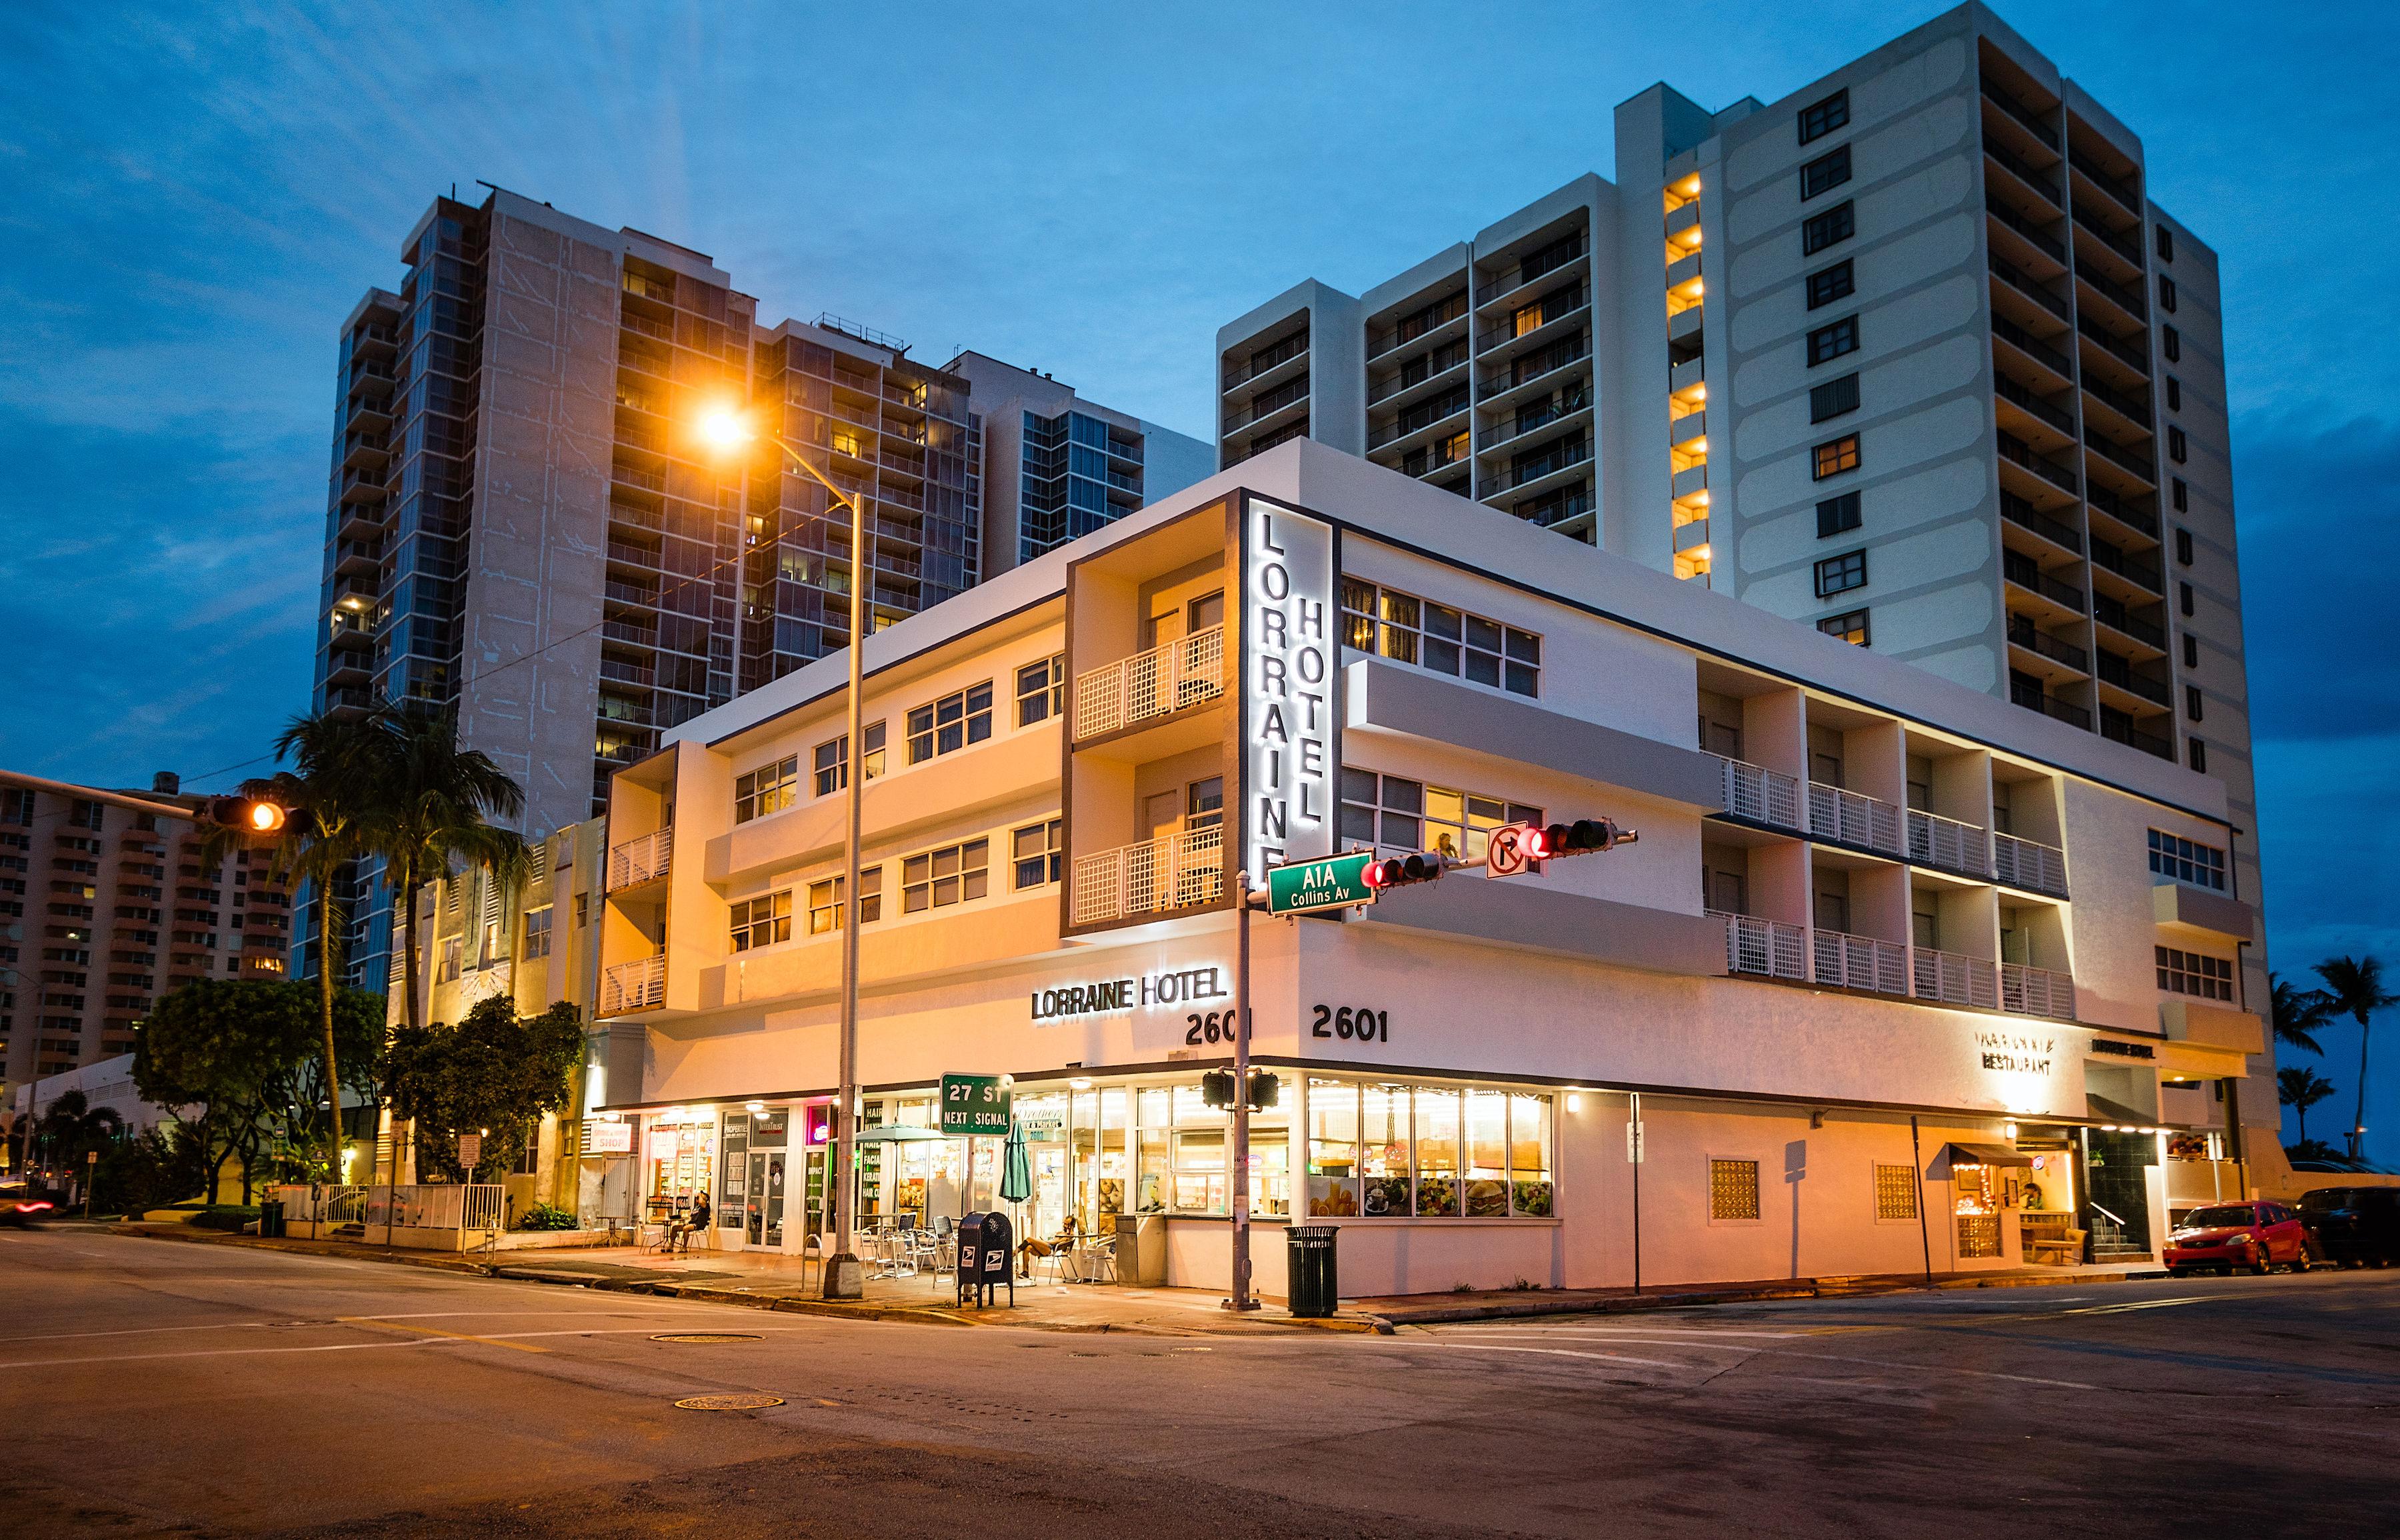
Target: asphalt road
{"x": 161, "y": 1387}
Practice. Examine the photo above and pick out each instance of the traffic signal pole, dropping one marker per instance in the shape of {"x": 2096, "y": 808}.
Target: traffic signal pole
{"x": 1240, "y": 1298}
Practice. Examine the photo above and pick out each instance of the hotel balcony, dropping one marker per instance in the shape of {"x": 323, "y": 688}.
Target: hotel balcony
{"x": 1156, "y": 876}
{"x": 640, "y": 984}
{"x": 1954, "y": 978}
{"x": 1948, "y": 844}
{"x": 1851, "y": 818}
{"x": 1770, "y": 948}
{"x": 1168, "y": 678}
{"x": 2037, "y": 991}
{"x": 1761, "y": 796}
{"x": 1861, "y": 963}
{"x": 2029, "y": 865}
{"x": 637, "y": 863}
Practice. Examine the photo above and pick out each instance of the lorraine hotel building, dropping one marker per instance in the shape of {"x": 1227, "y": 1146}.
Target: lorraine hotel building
{"x": 1899, "y": 973}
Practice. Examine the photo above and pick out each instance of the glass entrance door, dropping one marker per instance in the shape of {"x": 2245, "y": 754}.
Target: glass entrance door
{"x": 764, "y": 1211}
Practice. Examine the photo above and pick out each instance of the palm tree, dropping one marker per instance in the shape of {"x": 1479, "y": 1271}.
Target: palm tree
{"x": 2295, "y": 1013}
{"x": 432, "y": 811}
{"x": 2301, "y": 1089}
{"x": 2355, "y": 988}
{"x": 73, "y": 1125}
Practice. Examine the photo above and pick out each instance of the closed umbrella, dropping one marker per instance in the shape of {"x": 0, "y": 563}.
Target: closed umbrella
{"x": 1015, "y": 1167}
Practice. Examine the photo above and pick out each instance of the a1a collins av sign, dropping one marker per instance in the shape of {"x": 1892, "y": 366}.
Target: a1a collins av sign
{"x": 1289, "y": 651}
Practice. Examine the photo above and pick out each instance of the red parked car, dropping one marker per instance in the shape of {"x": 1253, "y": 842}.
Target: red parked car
{"x": 2256, "y": 1235}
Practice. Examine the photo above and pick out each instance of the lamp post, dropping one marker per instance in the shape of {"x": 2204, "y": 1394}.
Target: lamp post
{"x": 727, "y": 428}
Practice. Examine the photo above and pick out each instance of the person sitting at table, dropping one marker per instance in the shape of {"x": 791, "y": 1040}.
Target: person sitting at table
{"x": 694, "y": 1221}
{"x": 1033, "y": 1246}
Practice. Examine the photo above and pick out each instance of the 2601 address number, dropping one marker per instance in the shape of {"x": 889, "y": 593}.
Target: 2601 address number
{"x": 1355, "y": 1024}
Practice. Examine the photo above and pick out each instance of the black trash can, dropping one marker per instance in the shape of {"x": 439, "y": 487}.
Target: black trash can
{"x": 1316, "y": 1287}
{"x": 270, "y": 1218}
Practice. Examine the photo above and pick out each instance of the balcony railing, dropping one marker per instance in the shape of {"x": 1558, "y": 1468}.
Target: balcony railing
{"x": 2057, "y": 649}
{"x": 1176, "y": 871}
{"x": 1955, "y": 978}
{"x": 1768, "y": 947}
{"x": 2016, "y": 449}
{"x": 2019, "y": 111}
{"x": 1158, "y": 683}
{"x": 637, "y": 985}
{"x": 1852, "y": 818}
{"x": 2037, "y": 991}
{"x": 2140, "y": 465}
{"x": 1861, "y": 963}
{"x": 1761, "y": 795}
{"x": 639, "y": 861}
{"x": 2125, "y": 353}
{"x": 2040, "y": 240}
{"x": 1949, "y": 844}
{"x": 2028, "y": 865}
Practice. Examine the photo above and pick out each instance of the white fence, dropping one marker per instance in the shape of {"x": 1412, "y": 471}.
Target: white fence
{"x": 2037, "y": 991}
{"x": 1158, "y": 683}
{"x": 1956, "y": 979}
{"x": 1862, "y": 963}
{"x": 1177, "y": 871}
{"x": 342, "y": 1204}
{"x": 1761, "y": 795}
{"x": 639, "y": 861}
{"x": 1767, "y": 947}
{"x": 1934, "y": 841}
{"x": 2024, "y": 864}
{"x": 437, "y": 1205}
{"x": 1851, "y": 818}
{"x": 635, "y": 986}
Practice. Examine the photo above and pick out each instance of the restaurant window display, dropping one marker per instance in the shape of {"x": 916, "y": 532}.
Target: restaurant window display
{"x": 1395, "y": 1151}
{"x": 680, "y": 1158}
{"x": 1980, "y": 1193}
{"x": 1095, "y": 1153}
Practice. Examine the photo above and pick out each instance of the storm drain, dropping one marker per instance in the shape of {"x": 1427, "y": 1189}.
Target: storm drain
{"x": 728, "y": 1403}
{"x": 707, "y": 1337}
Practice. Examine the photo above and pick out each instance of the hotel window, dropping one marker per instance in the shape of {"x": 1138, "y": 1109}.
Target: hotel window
{"x": 2171, "y": 344}
{"x": 1895, "y": 1192}
{"x": 1035, "y": 851}
{"x": 1828, "y": 284}
{"x": 830, "y": 762}
{"x": 2174, "y": 394}
{"x": 2191, "y": 650}
{"x": 950, "y": 724}
{"x": 939, "y": 879}
{"x": 2182, "y": 973}
{"x": 1041, "y": 692}
{"x": 1830, "y": 229}
{"x": 1833, "y": 399}
{"x": 1733, "y": 1190}
{"x": 826, "y": 905}
{"x": 1823, "y": 117}
{"x": 1838, "y": 515}
{"x": 2197, "y": 752}
{"x": 1850, "y": 627}
{"x": 762, "y": 921}
{"x": 1824, "y": 173}
{"x": 765, "y": 790}
{"x": 2166, "y": 293}
{"x": 1828, "y": 343}
{"x": 2182, "y": 495}
{"x": 1390, "y": 1151}
{"x": 536, "y": 933}
{"x": 2187, "y": 861}
{"x": 2184, "y": 600}
{"x": 1394, "y": 813}
{"x": 452, "y": 955}
{"x": 2166, "y": 243}
{"x": 2191, "y": 702}
{"x": 1410, "y": 630}
{"x": 1841, "y": 574}
{"x": 2177, "y": 449}
{"x": 1837, "y": 456}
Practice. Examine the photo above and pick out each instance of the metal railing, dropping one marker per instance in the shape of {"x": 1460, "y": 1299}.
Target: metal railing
{"x": 2037, "y": 991}
{"x": 2032, "y": 346}
{"x": 2108, "y": 449}
{"x": 1761, "y": 795}
{"x": 1164, "y": 680}
{"x": 1768, "y": 947}
{"x": 2110, "y": 613}
{"x": 2016, "y": 449}
{"x": 1861, "y": 963}
{"x": 2030, "y": 865}
{"x": 1274, "y": 356}
{"x": 2022, "y": 632}
{"x": 1853, "y": 818}
{"x": 2041, "y": 240}
{"x": 2018, "y": 110}
{"x": 2128, "y": 300}
{"x": 1948, "y": 843}
{"x": 1176, "y": 871}
{"x": 2019, "y": 511}
{"x": 1955, "y": 978}
{"x": 2124, "y": 352}
{"x": 2130, "y": 569}
{"x": 2025, "y": 173}
{"x": 635, "y": 986}
{"x": 327, "y": 1204}
{"x": 639, "y": 861}
{"x": 436, "y": 1206}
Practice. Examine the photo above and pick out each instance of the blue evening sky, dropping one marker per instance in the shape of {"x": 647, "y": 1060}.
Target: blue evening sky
{"x": 194, "y": 196}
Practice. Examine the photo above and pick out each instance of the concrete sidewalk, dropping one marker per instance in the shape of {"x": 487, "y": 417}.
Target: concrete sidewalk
{"x": 771, "y": 1282}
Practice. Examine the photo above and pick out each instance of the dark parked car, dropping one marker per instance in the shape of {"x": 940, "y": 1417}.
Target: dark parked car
{"x": 2354, "y": 1226}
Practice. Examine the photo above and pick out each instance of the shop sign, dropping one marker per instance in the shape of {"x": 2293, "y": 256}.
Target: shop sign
{"x": 1116, "y": 995}
{"x": 608, "y": 1139}
{"x": 1288, "y": 709}
{"x": 2127, "y": 1050}
{"x": 2017, "y": 1052}
{"x": 976, "y": 1105}
{"x": 1329, "y": 883}
{"x": 471, "y": 1151}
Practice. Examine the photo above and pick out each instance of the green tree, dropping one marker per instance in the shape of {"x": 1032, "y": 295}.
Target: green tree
{"x": 2355, "y": 988}
{"x": 2301, "y": 1089}
{"x": 495, "y": 1072}
{"x": 243, "y": 1051}
{"x": 2296, "y": 1015}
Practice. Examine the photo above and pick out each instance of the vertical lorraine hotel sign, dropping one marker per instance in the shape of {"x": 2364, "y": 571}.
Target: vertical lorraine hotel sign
{"x": 1290, "y": 737}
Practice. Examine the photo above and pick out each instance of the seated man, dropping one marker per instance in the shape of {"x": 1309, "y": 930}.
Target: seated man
{"x": 1033, "y": 1246}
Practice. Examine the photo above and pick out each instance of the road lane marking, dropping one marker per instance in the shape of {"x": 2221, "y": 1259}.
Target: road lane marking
{"x": 453, "y": 1336}
{"x": 1602, "y": 1334}
{"x": 1557, "y": 1353}
{"x": 2138, "y": 1305}
{"x": 1632, "y": 1342}
{"x": 220, "y": 1353}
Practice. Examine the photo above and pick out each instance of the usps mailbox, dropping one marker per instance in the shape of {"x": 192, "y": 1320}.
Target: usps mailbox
{"x": 986, "y": 1260}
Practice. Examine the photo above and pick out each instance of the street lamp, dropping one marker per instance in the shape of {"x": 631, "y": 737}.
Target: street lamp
{"x": 726, "y": 429}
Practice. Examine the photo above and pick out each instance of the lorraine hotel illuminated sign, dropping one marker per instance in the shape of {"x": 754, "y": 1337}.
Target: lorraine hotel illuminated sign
{"x": 1291, "y": 742}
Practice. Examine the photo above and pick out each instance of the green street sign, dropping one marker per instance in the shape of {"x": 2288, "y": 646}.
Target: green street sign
{"x": 1328, "y": 883}
{"x": 976, "y": 1105}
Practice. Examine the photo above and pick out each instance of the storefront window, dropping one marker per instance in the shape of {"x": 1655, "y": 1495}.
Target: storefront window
{"x": 1199, "y": 1154}
{"x": 1529, "y": 1157}
{"x": 1437, "y": 1150}
{"x": 1156, "y": 1116}
{"x": 1270, "y": 1164}
{"x": 1043, "y": 1120}
{"x": 1384, "y": 1188}
{"x": 736, "y": 1168}
{"x": 1333, "y": 1150}
{"x": 1978, "y": 1211}
{"x": 682, "y": 1156}
{"x": 1478, "y": 1153}
{"x": 1487, "y": 1154}
{"x": 1114, "y": 1167}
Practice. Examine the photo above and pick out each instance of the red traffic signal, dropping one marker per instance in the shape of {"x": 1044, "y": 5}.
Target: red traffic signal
{"x": 1520, "y": 848}
{"x": 1400, "y": 872}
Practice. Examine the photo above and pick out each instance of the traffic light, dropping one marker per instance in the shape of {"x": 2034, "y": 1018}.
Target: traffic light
{"x": 249, "y": 814}
{"x": 1264, "y": 1087}
{"x": 1400, "y": 872}
{"x": 1217, "y": 1089}
{"x": 1580, "y": 837}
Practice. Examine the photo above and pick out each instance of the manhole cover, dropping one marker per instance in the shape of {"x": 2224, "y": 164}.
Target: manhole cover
{"x": 728, "y": 1403}
{"x": 707, "y": 1337}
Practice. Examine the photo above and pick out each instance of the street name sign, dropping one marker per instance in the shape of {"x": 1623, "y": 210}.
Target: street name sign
{"x": 1328, "y": 883}
{"x": 976, "y": 1105}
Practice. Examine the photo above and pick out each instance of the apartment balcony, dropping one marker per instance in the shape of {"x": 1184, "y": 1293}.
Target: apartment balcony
{"x": 2024, "y": 283}
{"x": 1509, "y": 431}
{"x": 2087, "y": 170}
{"x": 2051, "y": 706}
{"x": 362, "y": 486}
{"x": 620, "y": 672}
{"x": 2026, "y": 516}
{"x": 2017, "y": 452}
{"x": 2127, "y": 411}
{"x": 1265, "y": 412}
{"x": 1156, "y": 876}
{"x": 2053, "y": 370}
{"x": 1852, "y": 818}
{"x": 2048, "y": 414}
{"x": 1761, "y": 796}
{"x": 1398, "y": 388}
{"x": 1499, "y": 344}
{"x": 2054, "y": 660}
{"x": 1424, "y": 331}
{"x": 357, "y": 558}
{"x": 2037, "y": 991}
{"x": 637, "y": 863}
{"x": 2105, "y": 248}
{"x": 2029, "y": 865}
{"x": 1954, "y": 978}
{"x": 640, "y": 984}
{"x": 1513, "y": 287}
{"x": 2052, "y": 600}
{"x": 2027, "y": 244}
{"x": 2031, "y": 178}
{"x": 2133, "y": 515}
{"x": 1849, "y": 962}
{"x": 2030, "y": 118}
{"x": 1550, "y": 470}
{"x": 1180, "y": 675}
{"x": 1440, "y": 413}
{"x": 1947, "y": 844}
{"x": 2111, "y": 354}
{"x": 1283, "y": 360}
{"x": 2093, "y": 282}
{"x": 625, "y": 474}
{"x": 2115, "y": 616}
{"x": 1534, "y": 373}
{"x": 2118, "y": 727}
{"x": 2139, "y": 473}
{"x": 2118, "y": 673}
{"x": 1769, "y": 948}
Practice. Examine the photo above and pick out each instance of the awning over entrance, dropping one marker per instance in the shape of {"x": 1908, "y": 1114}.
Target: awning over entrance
{"x": 2106, "y": 1111}
{"x": 1985, "y": 1155}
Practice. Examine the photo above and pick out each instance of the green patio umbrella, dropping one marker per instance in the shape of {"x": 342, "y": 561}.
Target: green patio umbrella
{"x": 1015, "y": 1167}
